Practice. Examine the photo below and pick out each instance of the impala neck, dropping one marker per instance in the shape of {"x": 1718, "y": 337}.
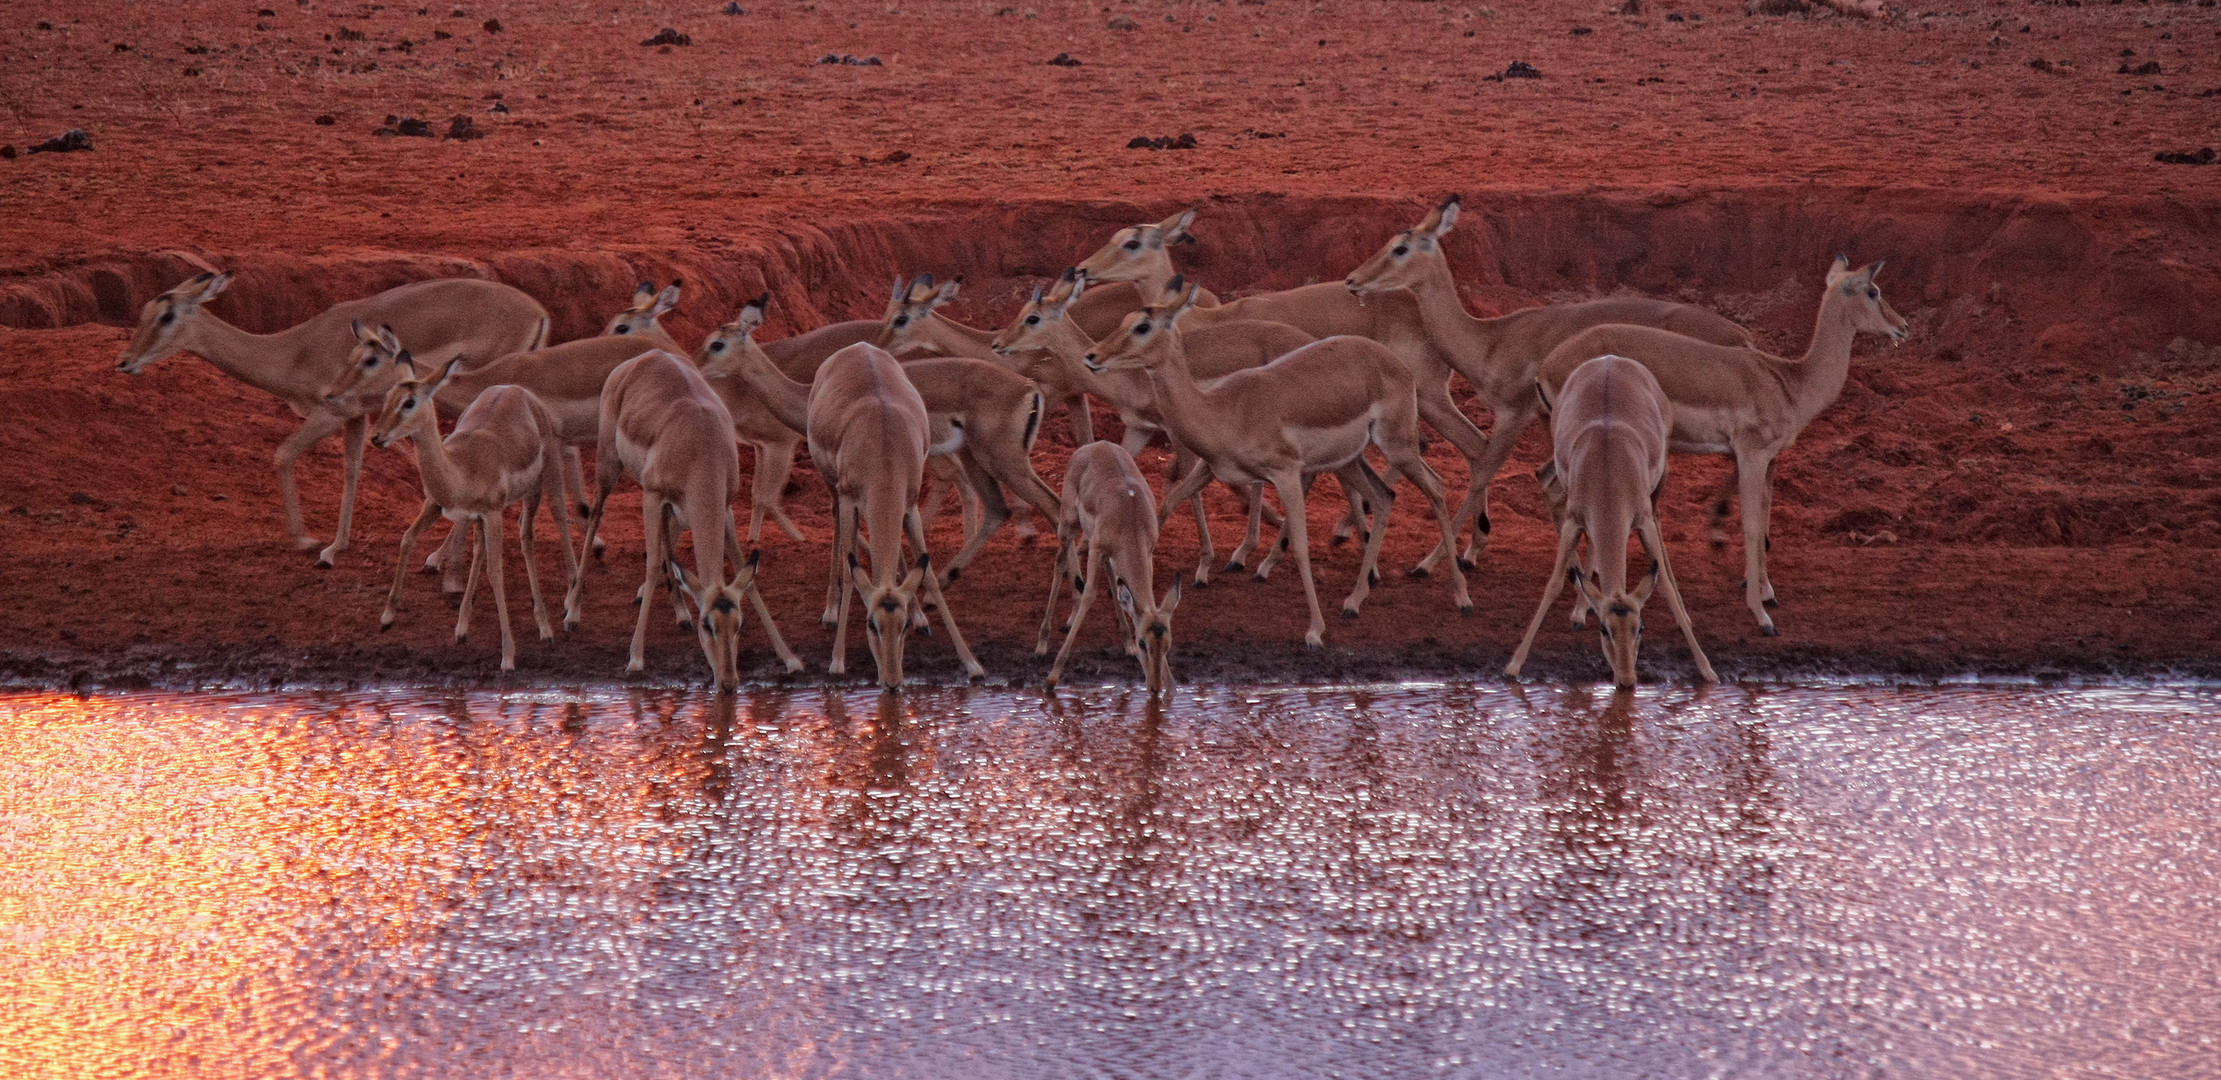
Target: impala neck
{"x": 789, "y": 400}
{"x": 1814, "y": 383}
{"x": 1187, "y": 409}
{"x": 1067, "y": 349}
{"x": 443, "y": 479}
{"x": 1452, "y": 329}
{"x": 270, "y": 362}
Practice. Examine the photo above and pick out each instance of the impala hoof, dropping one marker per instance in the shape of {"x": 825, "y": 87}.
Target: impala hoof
{"x": 324, "y": 561}
{"x": 508, "y": 665}
{"x": 1418, "y": 571}
{"x": 686, "y": 624}
{"x": 385, "y": 622}
{"x": 1771, "y": 602}
{"x": 1349, "y": 612}
{"x": 1337, "y": 541}
{"x": 1770, "y": 630}
{"x": 1258, "y": 576}
{"x": 1372, "y": 577}
{"x": 1315, "y": 640}
{"x": 462, "y": 639}
{"x": 793, "y": 666}
{"x": 1465, "y": 609}
{"x": 1467, "y": 565}
{"x": 1235, "y": 567}
{"x": 635, "y": 667}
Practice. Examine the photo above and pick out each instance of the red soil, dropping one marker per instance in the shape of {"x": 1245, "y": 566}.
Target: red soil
{"x": 2028, "y": 486}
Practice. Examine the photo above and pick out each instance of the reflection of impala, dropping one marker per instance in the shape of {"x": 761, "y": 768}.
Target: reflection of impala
{"x": 1405, "y": 295}
{"x": 867, "y": 432}
{"x": 1608, "y": 446}
{"x": 1109, "y": 505}
{"x": 503, "y": 450}
{"x": 662, "y": 424}
{"x": 442, "y": 319}
{"x": 1312, "y": 411}
{"x": 1745, "y": 402}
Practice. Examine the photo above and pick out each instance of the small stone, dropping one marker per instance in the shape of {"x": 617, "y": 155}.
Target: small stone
{"x": 326, "y": 120}
{"x": 493, "y": 26}
{"x": 463, "y": 127}
{"x": 1064, "y": 60}
{"x": 668, "y": 36}
{"x": 218, "y": 497}
{"x": 79, "y": 498}
{"x": 734, "y": 8}
{"x": 1521, "y": 69}
{"x": 1122, "y": 22}
{"x": 71, "y": 141}
{"x": 177, "y": 490}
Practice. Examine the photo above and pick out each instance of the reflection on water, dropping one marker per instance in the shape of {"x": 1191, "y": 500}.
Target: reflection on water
{"x": 1352, "y": 882}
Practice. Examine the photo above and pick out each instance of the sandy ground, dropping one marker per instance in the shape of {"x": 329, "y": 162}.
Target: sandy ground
{"x": 2028, "y": 487}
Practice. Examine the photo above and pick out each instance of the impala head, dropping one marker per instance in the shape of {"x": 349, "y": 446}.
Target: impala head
{"x": 1619, "y": 619}
{"x": 648, "y": 305}
{"x": 718, "y": 617}
{"x": 1152, "y": 634}
{"x": 410, "y": 402}
{"x": 910, "y": 307}
{"x": 1140, "y": 252}
{"x": 1870, "y": 313}
{"x": 887, "y": 615}
{"x": 1142, "y": 340}
{"x": 1408, "y": 257}
{"x": 721, "y": 352}
{"x": 374, "y": 363}
{"x": 162, "y": 322}
{"x": 1036, "y": 323}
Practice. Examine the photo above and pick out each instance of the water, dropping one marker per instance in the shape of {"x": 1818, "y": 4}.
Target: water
{"x": 1457, "y": 881}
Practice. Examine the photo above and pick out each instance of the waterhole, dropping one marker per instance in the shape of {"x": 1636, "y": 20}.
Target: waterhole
{"x": 1409, "y": 880}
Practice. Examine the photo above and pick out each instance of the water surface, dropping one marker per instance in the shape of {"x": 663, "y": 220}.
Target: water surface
{"x": 1459, "y": 881}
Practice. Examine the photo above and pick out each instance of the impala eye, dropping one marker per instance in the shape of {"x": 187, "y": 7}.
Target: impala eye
{"x": 1033, "y": 320}
{"x": 369, "y": 362}
{"x": 1133, "y": 245}
{"x": 622, "y": 329}
{"x": 902, "y": 320}
{"x": 1873, "y": 293}
{"x": 168, "y": 317}
{"x": 409, "y": 404}
{"x": 1401, "y": 251}
{"x": 717, "y": 346}
{"x": 1140, "y": 329}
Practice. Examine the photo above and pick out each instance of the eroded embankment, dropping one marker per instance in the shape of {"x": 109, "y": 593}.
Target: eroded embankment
{"x": 2030, "y": 485}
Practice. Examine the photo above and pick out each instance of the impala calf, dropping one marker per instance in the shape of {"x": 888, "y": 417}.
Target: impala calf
{"x": 867, "y": 432}
{"x": 444, "y": 319}
{"x": 1312, "y": 411}
{"x": 1743, "y": 401}
{"x": 662, "y": 424}
{"x": 1107, "y": 501}
{"x": 1609, "y": 426}
{"x": 1410, "y": 277}
{"x": 503, "y": 450}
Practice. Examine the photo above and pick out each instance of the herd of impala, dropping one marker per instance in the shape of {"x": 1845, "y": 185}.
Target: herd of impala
{"x": 1272, "y": 389}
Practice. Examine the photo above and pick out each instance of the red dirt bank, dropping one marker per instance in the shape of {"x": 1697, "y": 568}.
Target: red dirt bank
{"x": 2028, "y": 487}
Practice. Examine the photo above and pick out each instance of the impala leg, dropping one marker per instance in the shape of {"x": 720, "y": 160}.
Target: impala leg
{"x": 1430, "y": 485}
{"x": 763, "y": 611}
{"x": 994, "y": 510}
{"x": 351, "y": 440}
{"x": 558, "y": 502}
{"x": 532, "y": 565}
{"x": 448, "y": 560}
{"x": 470, "y": 587}
{"x": 1280, "y": 544}
{"x": 576, "y": 601}
{"x": 651, "y": 523}
{"x": 1750, "y": 471}
{"x": 844, "y": 531}
{"x": 1363, "y": 484}
{"x": 1766, "y": 549}
{"x": 1079, "y": 611}
{"x": 1056, "y": 589}
{"x": 315, "y": 429}
{"x": 948, "y": 618}
{"x": 1569, "y": 534}
{"x": 1083, "y": 421}
{"x": 489, "y": 541}
{"x": 1183, "y": 463}
{"x": 574, "y": 473}
{"x": 1656, "y": 546}
{"x": 1293, "y": 526}
{"x": 1253, "y": 497}
{"x": 844, "y": 546}
{"x": 671, "y": 527}
{"x": 774, "y": 463}
{"x": 424, "y": 517}
{"x": 1450, "y": 422}
{"x": 1181, "y": 492}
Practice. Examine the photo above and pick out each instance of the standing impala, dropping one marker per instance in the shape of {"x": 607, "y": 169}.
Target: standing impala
{"x": 663, "y": 425}
{"x": 979, "y": 413}
{"x": 1107, "y": 502}
{"x": 444, "y": 319}
{"x": 1608, "y": 446}
{"x": 867, "y": 432}
{"x": 1312, "y": 411}
{"x": 1745, "y": 402}
{"x": 1499, "y": 356}
{"x": 1136, "y": 263}
{"x": 1045, "y": 345}
{"x": 503, "y": 450}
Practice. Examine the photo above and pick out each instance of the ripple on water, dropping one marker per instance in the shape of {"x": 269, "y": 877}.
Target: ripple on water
{"x": 1348, "y": 881}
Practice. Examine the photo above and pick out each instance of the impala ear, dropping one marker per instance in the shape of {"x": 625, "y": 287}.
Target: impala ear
{"x": 1036, "y": 299}
{"x": 1176, "y": 227}
{"x": 643, "y": 297}
{"x": 665, "y": 301}
{"x": 947, "y": 293}
{"x": 387, "y": 341}
{"x": 213, "y": 288}
{"x": 744, "y": 578}
{"x": 446, "y": 373}
{"x": 915, "y": 577}
{"x": 1876, "y": 268}
{"x": 1077, "y": 279}
{"x": 678, "y": 573}
{"x": 1650, "y": 582}
{"x": 1441, "y": 218}
{"x": 900, "y": 289}
{"x": 363, "y": 334}
{"x": 1836, "y": 269}
{"x": 1187, "y": 299}
{"x": 1170, "y": 294}
{"x": 1171, "y": 599}
{"x": 921, "y": 289}
{"x": 751, "y": 314}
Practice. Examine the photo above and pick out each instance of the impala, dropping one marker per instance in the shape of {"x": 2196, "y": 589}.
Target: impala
{"x": 1312, "y": 411}
{"x": 1137, "y": 262}
{"x": 662, "y": 424}
{"x": 1743, "y": 401}
{"x": 503, "y": 450}
{"x": 1107, "y": 502}
{"x": 447, "y": 318}
{"x": 1608, "y": 447}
